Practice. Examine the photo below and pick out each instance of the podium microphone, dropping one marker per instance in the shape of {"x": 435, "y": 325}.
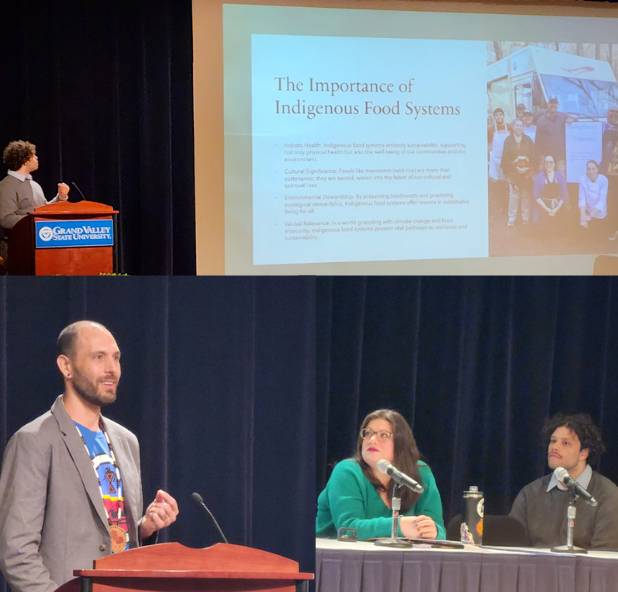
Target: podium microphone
{"x": 197, "y": 498}
{"x": 78, "y": 190}
{"x": 562, "y": 475}
{"x": 398, "y": 477}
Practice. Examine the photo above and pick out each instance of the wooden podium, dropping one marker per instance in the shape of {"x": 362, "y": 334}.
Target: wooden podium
{"x": 172, "y": 566}
{"x": 26, "y": 258}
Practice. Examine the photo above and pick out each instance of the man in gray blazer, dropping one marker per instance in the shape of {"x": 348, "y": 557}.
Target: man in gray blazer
{"x": 56, "y": 514}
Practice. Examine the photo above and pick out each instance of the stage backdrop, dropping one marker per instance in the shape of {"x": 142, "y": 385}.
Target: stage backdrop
{"x": 105, "y": 91}
{"x": 474, "y": 364}
{"x": 218, "y": 383}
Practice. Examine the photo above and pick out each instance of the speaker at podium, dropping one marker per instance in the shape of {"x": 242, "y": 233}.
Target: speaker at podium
{"x": 64, "y": 238}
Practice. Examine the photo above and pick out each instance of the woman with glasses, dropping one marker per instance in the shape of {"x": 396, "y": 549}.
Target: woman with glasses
{"x": 358, "y": 495}
{"x": 550, "y": 195}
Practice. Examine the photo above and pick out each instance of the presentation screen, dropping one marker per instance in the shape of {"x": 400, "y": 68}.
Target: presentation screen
{"x": 405, "y": 137}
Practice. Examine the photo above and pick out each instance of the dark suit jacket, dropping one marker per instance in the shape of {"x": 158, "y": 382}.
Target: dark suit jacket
{"x": 52, "y": 519}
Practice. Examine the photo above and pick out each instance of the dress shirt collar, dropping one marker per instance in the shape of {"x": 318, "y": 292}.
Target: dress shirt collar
{"x": 583, "y": 480}
{"x": 19, "y": 176}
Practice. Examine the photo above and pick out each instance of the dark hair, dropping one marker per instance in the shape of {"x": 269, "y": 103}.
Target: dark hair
{"x": 499, "y": 110}
{"x": 553, "y": 100}
{"x": 594, "y": 162}
{"x": 405, "y": 458}
{"x": 17, "y": 153}
{"x": 581, "y": 423}
{"x": 66, "y": 339}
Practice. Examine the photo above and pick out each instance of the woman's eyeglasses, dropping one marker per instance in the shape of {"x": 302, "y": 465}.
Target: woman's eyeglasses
{"x": 382, "y": 435}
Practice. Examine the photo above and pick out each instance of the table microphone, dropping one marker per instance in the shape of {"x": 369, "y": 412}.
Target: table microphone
{"x": 398, "y": 477}
{"x": 197, "y": 498}
{"x": 562, "y": 475}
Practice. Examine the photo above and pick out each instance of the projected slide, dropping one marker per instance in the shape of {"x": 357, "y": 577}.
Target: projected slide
{"x": 387, "y": 141}
{"x": 368, "y": 149}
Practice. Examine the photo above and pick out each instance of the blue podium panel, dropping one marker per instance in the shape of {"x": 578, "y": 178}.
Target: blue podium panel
{"x": 56, "y": 234}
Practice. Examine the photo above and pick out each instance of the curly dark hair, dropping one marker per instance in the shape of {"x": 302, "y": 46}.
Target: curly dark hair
{"x": 17, "y": 153}
{"x": 581, "y": 423}
{"x": 406, "y": 454}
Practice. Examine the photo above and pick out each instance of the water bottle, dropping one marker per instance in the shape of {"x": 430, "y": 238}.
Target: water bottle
{"x": 472, "y": 526}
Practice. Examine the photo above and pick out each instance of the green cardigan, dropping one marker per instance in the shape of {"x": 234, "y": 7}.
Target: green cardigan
{"x": 350, "y": 500}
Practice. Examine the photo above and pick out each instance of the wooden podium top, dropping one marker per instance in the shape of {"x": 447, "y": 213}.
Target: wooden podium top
{"x": 80, "y": 208}
{"x": 173, "y": 560}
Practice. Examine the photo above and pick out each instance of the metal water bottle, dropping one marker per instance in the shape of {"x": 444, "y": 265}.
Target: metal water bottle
{"x": 472, "y": 525}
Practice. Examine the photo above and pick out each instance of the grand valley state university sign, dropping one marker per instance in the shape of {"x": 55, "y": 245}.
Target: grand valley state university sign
{"x": 74, "y": 233}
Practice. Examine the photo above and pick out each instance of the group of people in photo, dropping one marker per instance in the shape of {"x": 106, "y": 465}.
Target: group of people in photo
{"x": 528, "y": 181}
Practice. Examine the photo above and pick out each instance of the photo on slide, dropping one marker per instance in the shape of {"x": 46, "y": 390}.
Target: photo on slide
{"x": 552, "y": 148}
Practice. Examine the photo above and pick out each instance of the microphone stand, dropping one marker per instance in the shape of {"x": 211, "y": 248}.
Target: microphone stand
{"x": 571, "y": 514}
{"x": 394, "y": 540}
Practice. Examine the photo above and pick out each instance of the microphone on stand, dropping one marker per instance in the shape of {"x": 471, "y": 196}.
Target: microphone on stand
{"x": 398, "y": 477}
{"x": 197, "y": 498}
{"x": 78, "y": 190}
{"x": 562, "y": 475}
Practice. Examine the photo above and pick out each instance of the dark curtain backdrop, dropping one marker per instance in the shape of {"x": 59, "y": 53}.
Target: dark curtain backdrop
{"x": 475, "y": 364}
{"x": 105, "y": 91}
{"x": 218, "y": 383}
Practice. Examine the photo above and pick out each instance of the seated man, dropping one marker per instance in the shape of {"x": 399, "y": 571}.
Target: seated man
{"x": 541, "y": 506}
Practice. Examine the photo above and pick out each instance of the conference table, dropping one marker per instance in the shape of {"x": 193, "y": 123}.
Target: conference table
{"x": 365, "y": 567}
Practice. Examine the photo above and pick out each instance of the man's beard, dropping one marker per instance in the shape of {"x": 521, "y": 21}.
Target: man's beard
{"x": 87, "y": 390}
